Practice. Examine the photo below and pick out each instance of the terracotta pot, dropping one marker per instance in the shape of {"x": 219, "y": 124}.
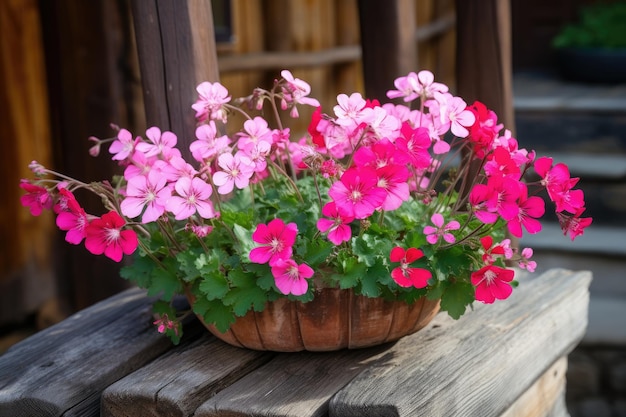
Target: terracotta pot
{"x": 335, "y": 319}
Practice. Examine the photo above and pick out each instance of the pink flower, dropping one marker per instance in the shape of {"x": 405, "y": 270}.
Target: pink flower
{"x": 453, "y": 111}
{"x": 349, "y": 110}
{"x": 146, "y": 192}
{"x": 525, "y": 262}
{"x": 193, "y": 195}
{"x": 338, "y": 228}
{"x": 434, "y": 233}
{"x": 356, "y": 194}
{"x": 255, "y": 131}
{"x": 207, "y": 144}
{"x": 295, "y": 91}
{"x": 211, "y": 100}
{"x": 414, "y": 143}
{"x": 37, "y": 198}
{"x": 164, "y": 324}
{"x": 478, "y": 198}
{"x": 276, "y": 239}
{"x": 404, "y": 275}
{"x": 393, "y": 179}
{"x": 72, "y": 218}
{"x": 123, "y": 146}
{"x": 290, "y": 278}
{"x": 160, "y": 143}
{"x": 105, "y": 235}
{"x": 236, "y": 171}
{"x": 492, "y": 282}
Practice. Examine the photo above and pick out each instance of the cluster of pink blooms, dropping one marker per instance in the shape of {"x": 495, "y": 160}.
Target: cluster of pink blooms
{"x": 394, "y": 153}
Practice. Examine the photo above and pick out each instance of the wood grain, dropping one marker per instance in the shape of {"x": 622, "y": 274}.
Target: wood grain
{"x": 64, "y": 369}
{"x": 478, "y": 365}
{"x": 179, "y": 381}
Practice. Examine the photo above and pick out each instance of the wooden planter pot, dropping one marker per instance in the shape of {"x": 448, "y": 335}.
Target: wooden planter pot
{"x": 335, "y": 319}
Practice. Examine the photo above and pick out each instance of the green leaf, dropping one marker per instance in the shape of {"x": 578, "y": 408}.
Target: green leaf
{"x": 245, "y": 294}
{"x": 352, "y": 273}
{"x": 214, "y": 285}
{"x": 164, "y": 284}
{"x": 140, "y": 271}
{"x": 371, "y": 281}
{"x": 214, "y": 312}
{"x": 245, "y": 239}
{"x": 456, "y": 298}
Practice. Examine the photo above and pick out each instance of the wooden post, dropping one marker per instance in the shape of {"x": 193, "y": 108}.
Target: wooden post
{"x": 484, "y": 55}
{"x": 388, "y": 41}
{"x": 176, "y": 50}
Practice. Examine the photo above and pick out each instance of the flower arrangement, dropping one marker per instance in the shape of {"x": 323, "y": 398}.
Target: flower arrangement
{"x": 398, "y": 201}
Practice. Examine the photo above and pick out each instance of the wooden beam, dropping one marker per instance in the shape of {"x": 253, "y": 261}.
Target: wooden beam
{"x": 484, "y": 56}
{"x": 288, "y": 60}
{"x": 388, "y": 41}
{"x": 176, "y": 50}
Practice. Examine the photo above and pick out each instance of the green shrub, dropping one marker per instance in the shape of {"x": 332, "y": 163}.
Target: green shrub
{"x": 600, "y": 25}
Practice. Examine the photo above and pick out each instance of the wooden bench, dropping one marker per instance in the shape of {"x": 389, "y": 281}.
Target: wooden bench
{"x": 507, "y": 359}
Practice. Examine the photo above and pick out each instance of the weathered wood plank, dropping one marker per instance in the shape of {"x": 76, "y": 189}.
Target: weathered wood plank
{"x": 63, "y": 369}
{"x": 294, "y": 385}
{"x": 176, "y": 51}
{"x": 179, "y": 381}
{"x": 542, "y": 398}
{"x": 478, "y": 365}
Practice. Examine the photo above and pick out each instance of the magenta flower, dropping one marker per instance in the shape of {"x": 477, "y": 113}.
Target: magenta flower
{"x": 291, "y": 278}
{"x": 414, "y": 143}
{"x": 193, "y": 195}
{"x": 478, "y": 198}
{"x": 434, "y": 233}
{"x": 492, "y": 282}
{"x": 574, "y": 225}
{"x": 356, "y": 194}
{"x": 105, "y": 235}
{"x": 338, "y": 228}
{"x": 276, "y": 239}
{"x": 236, "y": 171}
{"x": 72, "y": 218}
{"x": 37, "y": 198}
{"x": 393, "y": 179}
{"x": 404, "y": 275}
{"x": 530, "y": 210}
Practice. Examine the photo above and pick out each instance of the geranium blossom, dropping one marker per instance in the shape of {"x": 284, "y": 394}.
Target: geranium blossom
{"x": 211, "y": 100}
{"x": 525, "y": 262}
{"x": 276, "y": 239}
{"x": 291, "y": 278}
{"x": 106, "y": 235}
{"x": 492, "y": 283}
{"x": 530, "y": 210}
{"x": 123, "y": 146}
{"x": 192, "y": 196}
{"x": 440, "y": 230}
{"x": 72, "y": 218}
{"x": 356, "y": 194}
{"x": 236, "y": 171}
{"x": 146, "y": 192}
{"x": 37, "y": 198}
{"x": 159, "y": 144}
{"x": 338, "y": 228}
{"x": 405, "y": 275}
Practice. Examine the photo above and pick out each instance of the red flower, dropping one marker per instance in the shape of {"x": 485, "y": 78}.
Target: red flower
{"x": 105, "y": 235}
{"x": 404, "y": 275}
{"x": 492, "y": 282}
{"x": 37, "y": 199}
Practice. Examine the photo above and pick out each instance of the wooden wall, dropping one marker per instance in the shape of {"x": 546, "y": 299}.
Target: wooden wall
{"x": 70, "y": 69}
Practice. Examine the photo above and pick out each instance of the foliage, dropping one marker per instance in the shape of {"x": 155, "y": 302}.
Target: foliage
{"x": 600, "y": 25}
{"x": 398, "y": 201}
